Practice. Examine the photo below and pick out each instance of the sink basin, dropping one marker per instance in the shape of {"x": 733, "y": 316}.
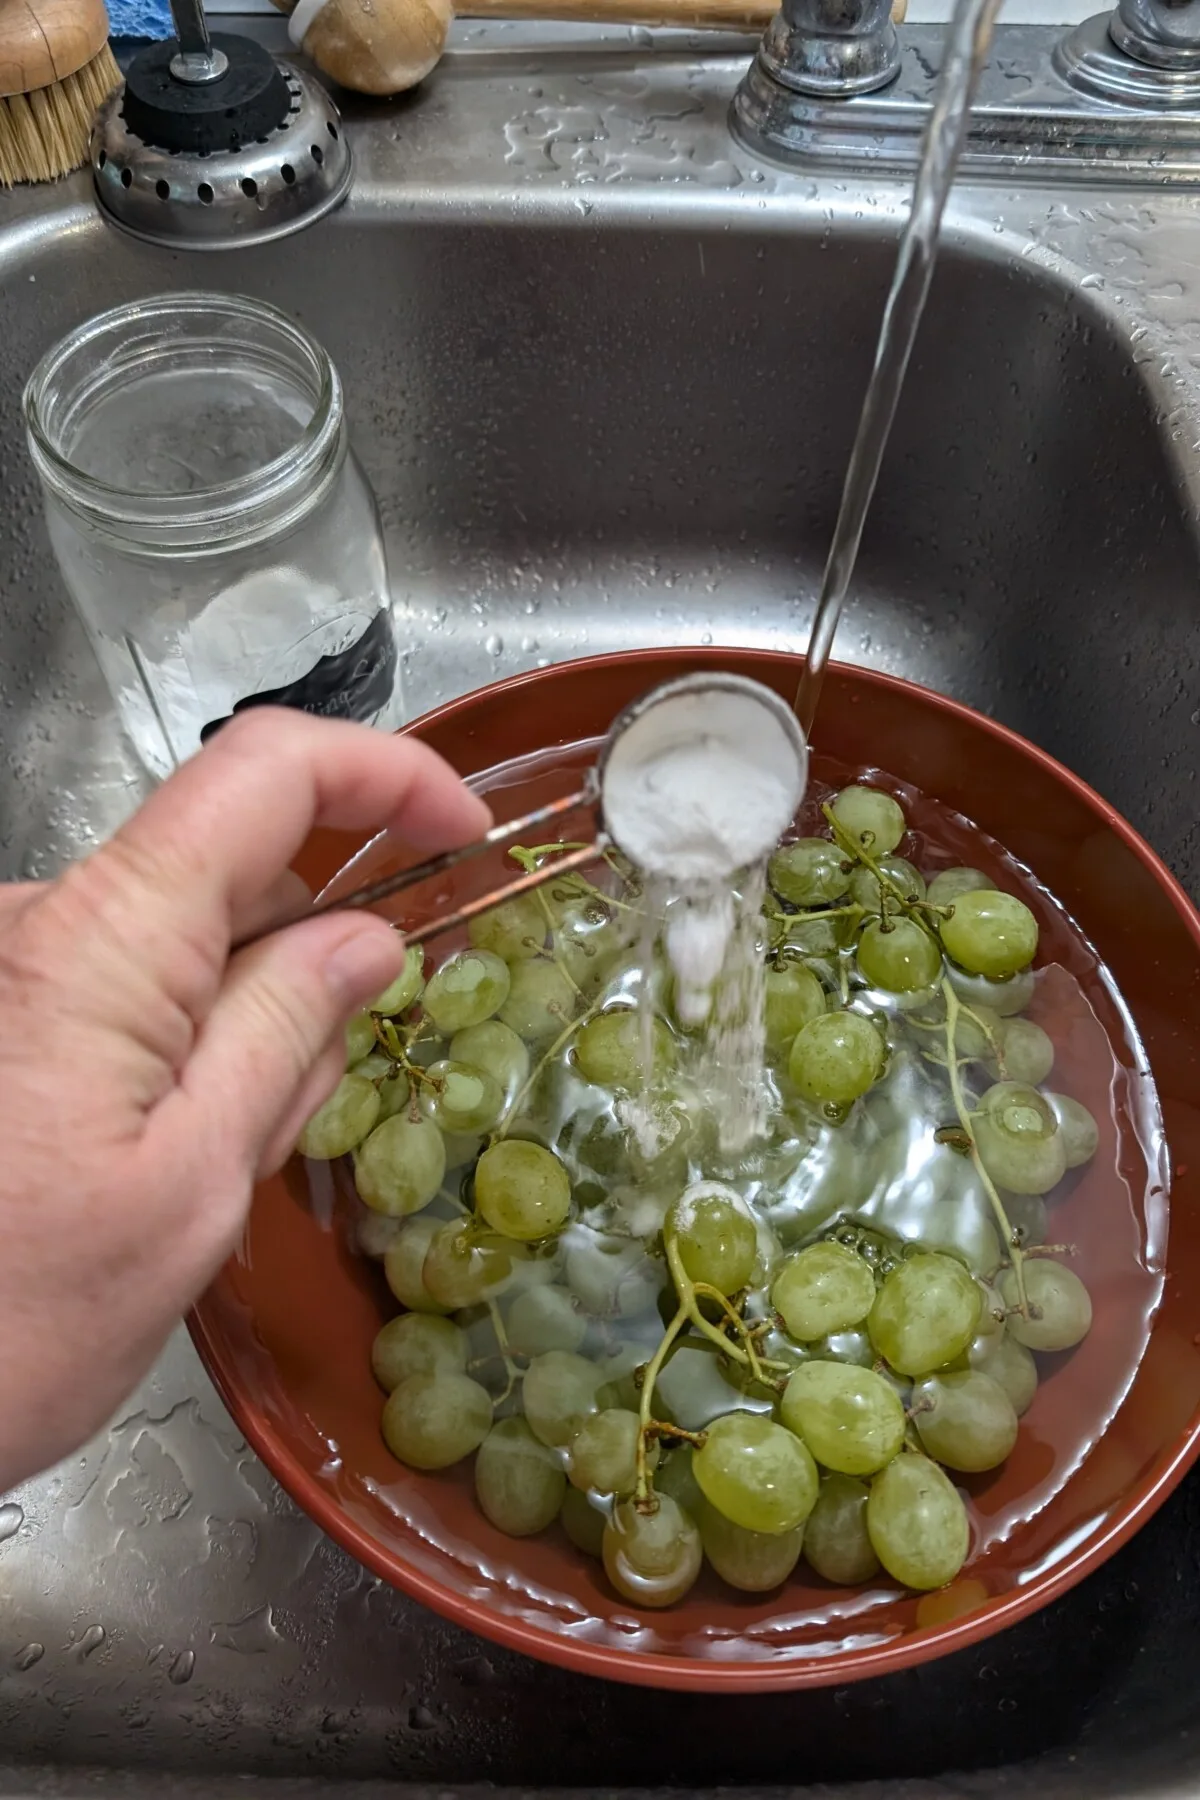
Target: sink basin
{"x": 603, "y": 372}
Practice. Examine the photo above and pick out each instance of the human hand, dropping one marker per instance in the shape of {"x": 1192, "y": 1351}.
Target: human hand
{"x": 148, "y": 1077}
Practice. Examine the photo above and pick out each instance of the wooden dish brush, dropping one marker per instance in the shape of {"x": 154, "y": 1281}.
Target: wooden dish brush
{"x": 56, "y": 70}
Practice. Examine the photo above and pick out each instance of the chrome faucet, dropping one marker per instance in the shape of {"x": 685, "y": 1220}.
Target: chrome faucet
{"x": 833, "y": 83}
{"x": 834, "y": 47}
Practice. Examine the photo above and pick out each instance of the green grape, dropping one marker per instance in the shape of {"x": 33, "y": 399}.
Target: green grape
{"x": 360, "y": 1038}
{"x": 404, "y": 1260}
{"x": 431, "y": 1421}
{"x": 836, "y": 1058}
{"x": 810, "y": 872}
{"x": 603, "y": 1453}
{"x": 1060, "y": 1307}
{"x": 610, "y": 1050}
{"x": 462, "y": 1147}
{"x": 826, "y": 1288}
{"x": 343, "y": 1122}
{"x": 496, "y": 1050}
{"x": 836, "y": 1541}
{"x": 1078, "y": 1129}
{"x": 406, "y": 987}
{"x": 752, "y": 1561}
{"x": 541, "y": 1001}
{"x": 522, "y": 1190}
{"x": 1009, "y": 1364}
{"x": 817, "y": 934}
{"x": 468, "y": 988}
{"x": 676, "y": 1477}
{"x": 794, "y": 996}
{"x": 950, "y": 884}
{"x": 417, "y": 1344}
{"x": 925, "y": 1314}
{"x": 584, "y": 1522}
{"x": 652, "y": 1559}
{"x": 464, "y": 1101}
{"x": 399, "y": 1168}
{"x": 873, "y": 818}
{"x": 374, "y": 1233}
{"x": 757, "y": 1473}
{"x": 611, "y": 1277}
{"x": 1018, "y": 1140}
{"x": 1002, "y": 997}
{"x": 965, "y": 1420}
{"x": 917, "y": 1523}
{"x": 850, "y": 1418}
{"x": 715, "y": 1235}
{"x": 864, "y": 885}
{"x": 515, "y": 931}
{"x": 587, "y": 947}
{"x": 462, "y": 1269}
{"x": 990, "y": 933}
{"x": 545, "y": 1318}
{"x": 519, "y": 1483}
{"x": 898, "y": 956}
{"x": 620, "y": 1384}
{"x": 392, "y": 1088}
{"x": 1027, "y": 1051}
{"x": 559, "y": 1393}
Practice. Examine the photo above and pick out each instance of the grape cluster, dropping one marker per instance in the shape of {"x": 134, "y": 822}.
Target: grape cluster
{"x": 626, "y": 1326}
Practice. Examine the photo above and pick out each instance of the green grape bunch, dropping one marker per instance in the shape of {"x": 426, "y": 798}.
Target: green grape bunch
{"x": 650, "y": 1348}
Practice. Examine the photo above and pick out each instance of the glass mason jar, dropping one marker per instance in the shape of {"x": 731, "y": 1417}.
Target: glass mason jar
{"x": 213, "y": 527}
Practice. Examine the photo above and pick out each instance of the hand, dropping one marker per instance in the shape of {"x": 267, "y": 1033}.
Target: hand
{"x": 148, "y": 1077}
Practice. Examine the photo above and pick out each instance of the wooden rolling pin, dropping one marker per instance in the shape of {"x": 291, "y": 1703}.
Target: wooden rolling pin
{"x": 385, "y": 46}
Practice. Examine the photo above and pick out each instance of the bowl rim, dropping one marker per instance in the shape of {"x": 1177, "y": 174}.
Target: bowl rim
{"x": 716, "y": 1675}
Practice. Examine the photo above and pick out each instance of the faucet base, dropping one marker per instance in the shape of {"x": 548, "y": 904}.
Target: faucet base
{"x": 1100, "y": 58}
{"x": 1029, "y": 115}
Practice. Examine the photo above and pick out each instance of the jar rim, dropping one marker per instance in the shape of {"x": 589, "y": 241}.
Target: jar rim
{"x": 222, "y": 500}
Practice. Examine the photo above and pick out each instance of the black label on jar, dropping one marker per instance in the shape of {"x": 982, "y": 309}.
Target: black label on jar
{"x": 356, "y": 683}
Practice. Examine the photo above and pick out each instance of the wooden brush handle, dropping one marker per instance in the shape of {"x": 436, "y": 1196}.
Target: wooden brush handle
{"x": 687, "y": 14}
{"x": 42, "y": 41}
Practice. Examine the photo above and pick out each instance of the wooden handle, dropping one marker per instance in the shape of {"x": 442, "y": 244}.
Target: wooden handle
{"x": 729, "y": 15}
{"x": 46, "y": 40}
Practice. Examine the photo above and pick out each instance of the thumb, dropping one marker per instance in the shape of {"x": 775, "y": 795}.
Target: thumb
{"x": 271, "y": 1046}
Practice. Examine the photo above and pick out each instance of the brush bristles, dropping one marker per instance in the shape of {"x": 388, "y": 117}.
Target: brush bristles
{"x": 45, "y": 134}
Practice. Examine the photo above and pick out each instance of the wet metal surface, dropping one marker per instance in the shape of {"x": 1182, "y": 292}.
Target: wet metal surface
{"x": 603, "y": 370}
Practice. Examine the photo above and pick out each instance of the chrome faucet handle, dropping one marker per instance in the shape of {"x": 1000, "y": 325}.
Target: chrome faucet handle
{"x": 1145, "y": 54}
{"x": 833, "y": 48}
{"x": 1163, "y": 33}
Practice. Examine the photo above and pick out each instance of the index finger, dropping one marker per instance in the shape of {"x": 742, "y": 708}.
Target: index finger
{"x": 222, "y": 829}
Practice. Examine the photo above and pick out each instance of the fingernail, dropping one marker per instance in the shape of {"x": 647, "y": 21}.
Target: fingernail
{"x": 364, "y": 963}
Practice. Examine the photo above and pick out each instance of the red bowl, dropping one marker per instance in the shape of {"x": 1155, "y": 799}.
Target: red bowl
{"x": 285, "y": 1331}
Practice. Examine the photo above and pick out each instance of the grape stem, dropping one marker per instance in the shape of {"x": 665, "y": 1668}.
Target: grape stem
{"x": 530, "y": 858}
{"x": 644, "y": 1497}
{"x": 1016, "y": 1255}
{"x": 689, "y": 1296}
{"x": 531, "y": 1080}
{"x": 511, "y": 1371}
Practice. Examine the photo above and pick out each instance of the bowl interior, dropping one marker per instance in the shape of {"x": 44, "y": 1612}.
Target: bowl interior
{"x": 286, "y": 1328}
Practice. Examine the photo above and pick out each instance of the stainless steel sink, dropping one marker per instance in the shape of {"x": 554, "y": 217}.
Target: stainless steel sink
{"x": 603, "y": 370}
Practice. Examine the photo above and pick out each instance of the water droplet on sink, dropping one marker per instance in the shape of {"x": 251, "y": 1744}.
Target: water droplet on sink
{"x": 181, "y": 1669}
{"x": 25, "y": 1659}
{"x": 91, "y": 1640}
{"x": 11, "y": 1520}
{"x": 494, "y": 645}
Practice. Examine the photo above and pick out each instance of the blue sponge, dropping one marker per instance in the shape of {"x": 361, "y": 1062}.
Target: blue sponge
{"x": 139, "y": 20}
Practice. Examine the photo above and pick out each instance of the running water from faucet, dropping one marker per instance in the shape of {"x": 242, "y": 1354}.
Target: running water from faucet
{"x": 968, "y": 37}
